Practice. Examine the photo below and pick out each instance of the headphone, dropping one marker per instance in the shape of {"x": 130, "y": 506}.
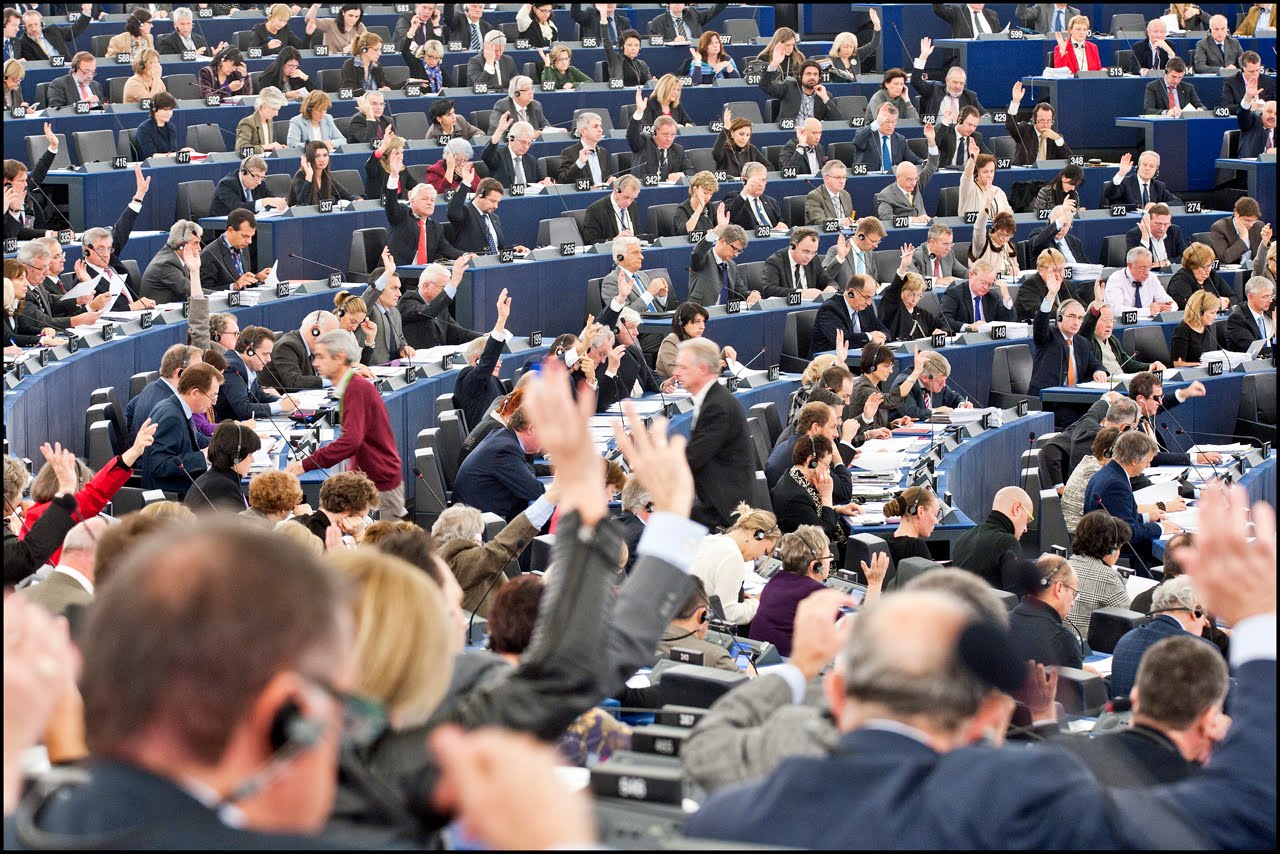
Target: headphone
{"x": 1197, "y": 612}
{"x": 619, "y": 258}
{"x": 239, "y": 442}
{"x": 813, "y": 450}
{"x": 314, "y": 319}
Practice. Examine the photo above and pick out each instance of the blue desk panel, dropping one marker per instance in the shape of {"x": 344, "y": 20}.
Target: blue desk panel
{"x": 1186, "y": 146}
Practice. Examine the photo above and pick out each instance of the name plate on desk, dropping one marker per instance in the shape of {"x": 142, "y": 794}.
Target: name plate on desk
{"x": 455, "y": 46}
{"x": 1129, "y": 316}
{"x": 535, "y": 338}
{"x": 388, "y": 48}
{"x": 787, "y": 124}
{"x": 695, "y": 236}
{"x": 506, "y": 256}
{"x": 246, "y": 151}
{"x": 901, "y": 221}
{"x": 1021, "y": 408}
{"x": 206, "y": 12}
{"x": 763, "y": 231}
{"x": 57, "y": 60}
{"x": 548, "y": 86}
{"x": 751, "y": 78}
{"x": 18, "y": 112}
{"x": 410, "y": 374}
{"x": 999, "y": 332}
{"x": 590, "y": 42}
{"x": 255, "y": 53}
{"x": 212, "y": 100}
{"x": 446, "y": 361}
{"x": 615, "y": 83}
{"x": 651, "y": 181}
{"x": 73, "y": 343}
{"x": 1119, "y": 210}
{"x": 970, "y": 217}
{"x": 188, "y": 56}
{"x": 325, "y": 206}
{"x": 794, "y": 297}
{"x": 233, "y": 299}
{"x": 830, "y": 226}
{"x": 928, "y": 283}
{"x": 568, "y": 250}
{"x": 731, "y": 383}
{"x": 789, "y": 172}
{"x": 522, "y": 44}
{"x": 83, "y": 107}
{"x": 1214, "y": 368}
{"x": 65, "y": 236}
{"x": 773, "y": 373}
{"x": 1222, "y": 112}
{"x": 145, "y": 320}
{"x": 656, "y": 41}
{"x": 10, "y": 245}
{"x": 1004, "y": 163}
{"x": 721, "y": 175}
{"x": 346, "y": 94}
{"x": 582, "y": 184}
{"x": 939, "y": 341}
{"x": 108, "y": 332}
{"x": 335, "y": 280}
{"x": 413, "y": 90}
{"x": 734, "y": 306}
{"x": 320, "y": 50}
{"x": 283, "y": 289}
{"x": 1042, "y": 214}
{"x": 480, "y": 89}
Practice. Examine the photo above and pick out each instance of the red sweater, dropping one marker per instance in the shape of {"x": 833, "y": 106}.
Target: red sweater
{"x": 90, "y": 500}
{"x": 366, "y": 438}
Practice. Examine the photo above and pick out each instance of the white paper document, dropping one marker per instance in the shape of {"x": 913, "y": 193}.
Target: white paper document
{"x": 1166, "y": 491}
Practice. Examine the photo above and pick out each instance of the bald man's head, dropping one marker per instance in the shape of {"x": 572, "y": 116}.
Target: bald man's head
{"x": 1014, "y": 503}
{"x": 811, "y": 131}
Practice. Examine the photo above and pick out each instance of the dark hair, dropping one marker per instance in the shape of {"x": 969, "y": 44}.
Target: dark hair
{"x": 912, "y": 495}
{"x": 156, "y": 648}
{"x": 628, "y": 34}
{"x": 514, "y": 612}
{"x": 487, "y": 186}
{"x": 1072, "y": 173}
{"x": 697, "y": 599}
{"x": 239, "y": 217}
{"x": 1103, "y": 441}
{"x": 133, "y": 24}
{"x": 1043, "y": 105}
{"x": 875, "y": 355}
{"x": 162, "y": 101}
{"x": 1178, "y": 680}
{"x": 836, "y": 376}
{"x": 1172, "y": 569}
{"x": 686, "y": 313}
{"x": 807, "y": 64}
{"x": 441, "y": 108}
{"x": 199, "y": 376}
{"x": 229, "y": 436}
{"x": 415, "y": 547}
{"x": 321, "y": 178}
{"x": 1143, "y": 383}
{"x": 891, "y": 74}
{"x": 340, "y": 18}
{"x": 1098, "y": 534}
{"x": 214, "y": 359}
{"x": 274, "y": 73}
{"x": 227, "y": 54}
{"x": 810, "y": 446}
{"x": 967, "y": 111}
{"x": 252, "y": 336}
{"x": 1179, "y": 65}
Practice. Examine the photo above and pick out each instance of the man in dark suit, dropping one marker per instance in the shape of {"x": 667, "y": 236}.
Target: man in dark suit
{"x": 1062, "y": 453}
{"x": 169, "y": 275}
{"x": 1257, "y": 130}
{"x": 657, "y": 153}
{"x": 1111, "y": 489}
{"x": 750, "y": 208}
{"x": 713, "y": 274}
{"x": 953, "y": 139}
{"x": 800, "y": 97}
{"x": 27, "y": 217}
{"x": 588, "y": 20}
{"x": 1253, "y": 319}
{"x": 967, "y": 20}
{"x": 1062, "y": 355}
{"x": 1037, "y": 626}
{"x": 424, "y": 312}
{"x": 1250, "y": 76}
{"x": 425, "y": 23}
{"x": 1178, "y": 613}
{"x": 805, "y": 153}
{"x": 1219, "y": 49}
{"x": 613, "y": 215}
{"x": 1227, "y": 236}
{"x": 1157, "y": 233}
{"x": 41, "y": 41}
{"x": 183, "y": 37}
{"x": 469, "y": 27}
{"x": 1056, "y": 234}
{"x": 634, "y": 376}
{"x": 970, "y": 306}
{"x": 77, "y": 84}
{"x": 174, "y": 460}
{"x": 683, "y": 22}
{"x": 478, "y": 384}
{"x": 227, "y": 263}
{"x": 291, "y": 368}
{"x": 245, "y": 188}
{"x": 512, "y": 163}
{"x": 1138, "y": 188}
{"x": 948, "y": 98}
{"x": 492, "y": 67}
{"x": 587, "y": 159}
{"x": 935, "y": 260}
{"x": 637, "y": 506}
{"x": 717, "y": 452}
{"x": 1170, "y": 95}
{"x": 521, "y": 104}
{"x": 1046, "y": 18}
{"x": 853, "y": 313}
{"x": 796, "y": 268}
{"x": 1034, "y": 140}
{"x": 242, "y": 396}
{"x": 173, "y": 363}
{"x": 413, "y": 236}
{"x": 476, "y": 226}
{"x": 497, "y": 477}
{"x": 870, "y": 143}
{"x": 931, "y": 394}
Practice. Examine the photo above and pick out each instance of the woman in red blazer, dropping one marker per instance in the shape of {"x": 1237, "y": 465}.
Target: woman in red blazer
{"x": 1064, "y": 55}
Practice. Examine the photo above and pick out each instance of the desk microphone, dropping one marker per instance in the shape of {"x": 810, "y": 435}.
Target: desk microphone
{"x": 1250, "y": 439}
{"x": 1212, "y": 465}
{"x": 747, "y": 363}
{"x": 328, "y": 267}
{"x": 203, "y": 495}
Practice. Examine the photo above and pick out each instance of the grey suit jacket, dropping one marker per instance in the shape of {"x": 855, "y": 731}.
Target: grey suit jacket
{"x": 891, "y": 201}
{"x": 609, "y": 291}
{"x": 166, "y": 279}
{"x": 534, "y": 110}
{"x": 1207, "y": 58}
{"x": 818, "y": 208}
{"x": 57, "y": 593}
{"x": 842, "y": 271}
{"x": 1039, "y": 16}
{"x": 951, "y": 265}
{"x": 63, "y": 91}
{"x": 390, "y": 337}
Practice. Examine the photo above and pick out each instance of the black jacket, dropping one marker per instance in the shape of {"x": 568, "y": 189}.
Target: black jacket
{"x": 25, "y": 556}
{"x": 730, "y": 159}
{"x": 632, "y": 72}
{"x": 932, "y": 93}
{"x": 1129, "y": 192}
{"x": 1242, "y": 330}
{"x": 957, "y": 306}
{"x": 260, "y": 37}
{"x": 795, "y": 157}
{"x": 684, "y": 212}
{"x": 787, "y": 90}
{"x": 290, "y": 368}
{"x": 38, "y": 218}
{"x": 429, "y": 325}
{"x": 947, "y": 138}
{"x": 901, "y": 325}
{"x": 957, "y": 16}
{"x": 1233, "y": 89}
{"x": 1033, "y": 291}
{"x": 1136, "y": 757}
{"x": 835, "y": 315}
{"x": 501, "y": 166}
{"x": 648, "y": 158}
{"x": 217, "y": 490}
{"x": 989, "y": 550}
{"x": 600, "y": 225}
{"x": 1046, "y": 237}
{"x": 469, "y": 232}
{"x": 362, "y": 130}
{"x": 777, "y": 279}
{"x": 171, "y": 43}
{"x": 477, "y": 387}
{"x": 1050, "y": 366}
{"x": 719, "y": 458}
{"x": 402, "y": 233}
{"x": 1038, "y": 632}
{"x": 695, "y": 20}
{"x": 740, "y": 212}
{"x": 218, "y": 265}
{"x": 237, "y": 399}
{"x": 62, "y": 37}
{"x": 352, "y": 77}
{"x": 706, "y": 278}
{"x": 794, "y": 507}
{"x": 1062, "y": 453}
{"x": 229, "y": 195}
{"x": 570, "y": 173}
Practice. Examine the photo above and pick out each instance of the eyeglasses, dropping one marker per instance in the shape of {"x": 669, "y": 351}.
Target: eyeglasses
{"x": 735, "y": 248}
{"x": 363, "y": 719}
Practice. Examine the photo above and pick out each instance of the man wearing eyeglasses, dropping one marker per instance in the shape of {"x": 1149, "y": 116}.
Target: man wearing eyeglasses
{"x": 1037, "y": 628}
{"x": 991, "y": 549}
{"x": 713, "y": 273}
{"x": 521, "y": 104}
{"x": 1147, "y": 391}
{"x": 175, "y": 460}
{"x": 1062, "y": 356}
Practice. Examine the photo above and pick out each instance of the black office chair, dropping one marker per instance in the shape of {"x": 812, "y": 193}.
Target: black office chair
{"x": 557, "y": 231}
{"x": 795, "y": 340}
{"x": 1011, "y": 376}
{"x": 330, "y": 80}
{"x": 768, "y": 414}
{"x": 1114, "y": 250}
{"x": 662, "y": 220}
{"x": 595, "y": 300}
{"x": 842, "y": 151}
{"x": 205, "y": 138}
{"x": 1149, "y": 343}
{"x": 411, "y": 125}
{"x": 606, "y": 121}
{"x": 184, "y": 87}
{"x": 366, "y": 252}
{"x": 95, "y": 146}
{"x": 98, "y": 45}
{"x": 38, "y": 145}
{"x": 948, "y": 202}
{"x": 745, "y": 110}
{"x": 194, "y": 199}
{"x": 1257, "y": 414}
{"x": 793, "y": 210}
{"x": 851, "y": 106}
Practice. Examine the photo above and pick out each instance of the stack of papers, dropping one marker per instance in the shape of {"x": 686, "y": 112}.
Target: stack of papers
{"x": 312, "y": 398}
{"x": 1166, "y": 491}
{"x": 1230, "y": 359}
{"x": 883, "y": 462}
{"x": 973, "y": 416}
{"x": 1234, "y": 448}
{"x": 1187, "y": 520}
{"x": 434, "y": 355}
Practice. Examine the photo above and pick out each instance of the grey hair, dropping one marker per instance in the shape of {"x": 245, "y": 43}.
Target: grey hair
{"x": 621, "y": 245}
{"x": 704, "y": 351}
{"x": 1136, "y": 254}
{"x": 732, "y": 232}
{"x": 634, "y": 494}
{"x": 752, "y": 168}
{"x": 1122, "y": 411}
{"x": 979, "y": 596}
{"x": 319, "y": 318}
{"x": 937, "y": 364}
{"x": 51, "y": 245}
{"x": 84, "y": 536}
{"x": 183, "y": 231}
{"x": 1133, "y": 447}
{"x": 1175, "y": 594}
{"x": 459, "y": 147}
{"x": 663, "y": 121}
{"x": 494, "y": 36}
{"x": 938, "y": 229}
{"x": 603, "y": 338}
{"x": 888, "y": 108}
{"x": 628, "y": 315}
{"x": 805, "y": 544}
{"x": 475, "y": 347}
{"x": 832, "y": 165}
{"x": 1149, "y": 154}
{"x": 92, "y": 235}
{"x": 585, "y": 119}
{"x": 31, "y": 252}
{"x": 515, "y": 84}
{"x": 421, "y": 189}
{"x": 182, "y": 12}
{"x": 521, "y": 129}
{"x": 459, "y": 522}
{"x": 342, "y": 343}
{"x": 16, "y": 477}
{"x": 432, "y": 272}
{"x": 1259, "y": 285}
{"x": 272, "y": 97}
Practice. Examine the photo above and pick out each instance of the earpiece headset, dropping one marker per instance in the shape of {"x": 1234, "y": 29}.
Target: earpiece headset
{"x": 292, "y": 732}
{"x": 239, "y": 443}
{"x": 1196, "y": 612}
{"x": 314, "y": 320}
{"x": 813, "y": 451}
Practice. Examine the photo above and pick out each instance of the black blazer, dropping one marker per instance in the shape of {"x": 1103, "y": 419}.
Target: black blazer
{"x": 588, "y": 20}
{"x": 647, "y": 159}
{"x": 834, "y": 314}
{"x": 477, "y": 387}
{"x": 632, "y": 72}
{"x": 290, "y": 368}
{"x": 793, "y": 158}
{"x": 787, "y": 90}
{"x": 428, "y": 324}
{"x": 58, "y": 36}
{"x": 684, "y": 211}
{"x": 1233, "y": 89}
{"x": 362, "y": 130}
{"x": 1129, "y": 192}
{"x": 1253, "y": 136}
{"x": 778, "y": 277}
{"x": 460, "y": 28}
{"x": 237, "y": 399}
{"x": 866, "y": 149}
{"x": 175, "y": 445}
{"x": 423, "y": 34}
{"x": 1155, "y": 98}
{"x": 468, "y": 226}
{"x": 601, "y": 225}
{"x": 569, "y": 171}
{"x": 794, "y": 507}
{"x": 957, "y": 17}
{"x": 957, "y": 306}
{"x": 1142, "y": 59}
{"x": 1045, "y": 237}
{"x": 740, "y": 214}
{"x": 705, "y": 278}
{"x": 119, "y": 237}
{"x": 259, "y": 37}
{"x": 933, "y": 92}
{"x": 229, "y": 195}
{"x": 1026, "y": 143}
{"x": 1050, "y": 366}
{"x": 506, "y": 70}
{"x": 218, "y": 490}
{"x": 402, "y": 232}
{"x": 171, "y": 43}
{"x": 694, "y": 20}
{"x": 718, "y": 457}
{"x": 218, "y": 267}
{"x": 501, "y": 167}
{"x": 1241, "y": 329}
{"x": 902, "y": 325}
{"x": 731, "y": 159}
{"x": 353, "y": 78}
{"x": 1033, "y": 290}
{"x": 1174, "y": 243}
{"x": 947, "y": 138}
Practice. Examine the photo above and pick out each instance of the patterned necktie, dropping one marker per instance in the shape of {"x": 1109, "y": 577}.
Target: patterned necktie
{"x": 518, "y": 168}
{"x": 238, "y": 261}
{"x": 724, "y": 283}
{"x": 475, "y": 37}
{"x": 681, "y": 32}
{"x": 760, "y": 214}
{"x": 489, "y": 237}
{"x": 928, "y": 400}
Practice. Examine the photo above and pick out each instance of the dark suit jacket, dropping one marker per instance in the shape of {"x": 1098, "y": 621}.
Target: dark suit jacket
{"x": 62, "y": 37}
{"x": 1227, "y": 245}
{"x": 260, "y": 36}
{"x": 139, "y": 408}
{"x": 402, "y": 233}
{"x": 290, "y": 368}
{"x": 601, "y": 225}
{"x": 1233, "y": 90}
{"x": 719, "y": 458}
{"x": 1050, "y": 366}
{"x": 477, "y": 387}
{"x": 989, "y": 550}
{"x": 632, "y": 528}
{"x": 957, "y": 16}
{"x": 787, "y": 90}
{"x": 932, "y": 93}
{"x": 1062, "y": 453}
{"x": 498, "y": 159}
{"x": 957, "y": 306}
{"x": 951, "y": 264}
{"x": 229, "y": 195}
{"x": 901, "y": 325}
{"x": 423, "y": 34}
{"x": 866, "y": 149}
{"x": 1142, "y": 58}
{"x": 1253, "y": 136}
{"x": 778, "y": 277}
{"x": 1241, "y": 329}
{"x": 427, "y": 325}
{"x": 460, "y": 28}
{"x": 353, "y": 78}
{"x": 1136, "y": 757}
{"x": 946, "y": 139}
{"x": 792, "y": 157}
{"x": 570, "y": 173}
{"x": 705, "y": 279}
{"x": 171, "y": 44}
{"x": 362, "y": 130}
{"x": 469, "y": 234}
{"x": 166, "y": 278}
{"x": 506, "y": 70}
{"x": 794, "y": 507}
{"x": 64, "y": 91}
{"x": 683, "y": 212}
{"x": 1045, "y": 237}
{"x": 694, "y": 20}
{"x": 1026, "y": 143}
{"x": 1111, "y": 490}
{"x": 218, "y": 490}
{"x": 1026, "y": 304}
{"x": 740, "y": 212}
{"x": 176, "y": 444}
{"x": 218, "y": 267}
{"x": 913, "y": 401}
{"x": 237, "y": 400}
{"x": 1155, "y": 98}
{"x": 647, "y": 159}
{"x": 1129, "y": 192}
{"x": 588, "y": 20}
{"x": 1037, "y": 632}
{"x": 834, "y": 314}
{"x": 496, "y": 477}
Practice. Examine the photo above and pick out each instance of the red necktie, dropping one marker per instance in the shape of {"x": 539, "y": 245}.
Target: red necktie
{"x": 1173, "y": 102}
{"x": 937, "y": 267}
{"x": 421, "y": 257}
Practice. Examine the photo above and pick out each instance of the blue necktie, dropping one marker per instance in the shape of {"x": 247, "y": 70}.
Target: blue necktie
{"x": 235, "y": 259}
{"x": 724, "y": 283}
{"x": 488, "y": 235}
{"x": 886, "y": 159}
{"x": 613, "y": 31}
{"x": 977, "y": 309}
{"x": 1057, "y": 22}
{"x": 760, "y": 215}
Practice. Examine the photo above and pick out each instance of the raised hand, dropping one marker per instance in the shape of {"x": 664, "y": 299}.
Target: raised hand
{"x": 779, "y": 53}
{"x": 1017, "y": 92}
{"x": 1126, "y": 163}
{"x": 50, "y": 136}
{"x": 878, "y": 569}
{"x": 874, "y": 14}
{"x": 722, "y": 216}
{"x": 842, "y": 347}
{"x": 504, "y": 308}
{"x": 931, "y": 134}
{"x": 63, "y": 463}
{"x": 818, "y": 637}
{"x": 560, "y": 424}
{"x": 1234, "y": 578}
{"x": 307, "y": 171}
{"x": 872, "y": 406}
{"x": 640, "y": 97}
{"x": 146, "y": 435}
{"x": 926, "y": 47}
{"x": 141, "y": 184}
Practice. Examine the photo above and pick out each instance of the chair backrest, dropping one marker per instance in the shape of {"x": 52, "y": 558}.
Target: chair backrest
{"x": 444, "y": 403}
{"x": 38, "y": 145}
{"x": 745, "y": 110}
{"x": 95, "y": 146}
{"x": 760, "y": 497}
{"x": 793, "y": 210}
{"x": 908, "y": 569}
{"x": 1017, "y": 365}
{"x": 550, "y": 165}
{"x": 95, "y": 413}
{"x": 662, "y": 219}
{"x": 278, "y": 184}
{"x": 1258, "y": 397}
{"x": 1053, "y": 527}
{"x": 194, "y": 199}
{"x": 767, "y": 412}
{"x": 558, "y": 230}
{"x": 205, "y": 137}
{"x": 1108, "y": 625}
{"x": 449, "y": 445}
{"x": 127, "y": 143}
{"x": 184, "y": 87}
{"x": 100, "y": 450}
{"x": 773, "y": 153}
{"x": 428, "y": 498}
{"x": 330, "y": 79}
{"x": 1148, "y": 342}
{"x": 411, "y": 125}
{"x": 601, "y": 72}
{"x": 759, "y": 441}
{"x": 481, "y": 119}
{"x": 701, "y": 159}
{"x": 752, "y": 273}
{"x": 1114, "y": 250}
{"x": 742, "y": 30}
{"x": 1123, "y": 59}
{"x": 350, "y": 180}
{"x": 115, "y": 89}
{"x": 395, "y": 75}
{"x": 797, "y": 332}
{"x": 139, "y": 381}
{"x": 1127, "y": 21}
{"x": 851, "y": 106}
{"x": 1002, "y": 147}
{"x": 595, "y": 299}
{"x": 540, "y": 552}
{"x": 919, "y": 147}
{"x": 241, "y": 39}
{"x": 578, "y": 217}
{"x": 366, "y": 251}
{"x": 948, "y": 201}
{"x": 459, "y": 75}
{"x": 98, "y": 44}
